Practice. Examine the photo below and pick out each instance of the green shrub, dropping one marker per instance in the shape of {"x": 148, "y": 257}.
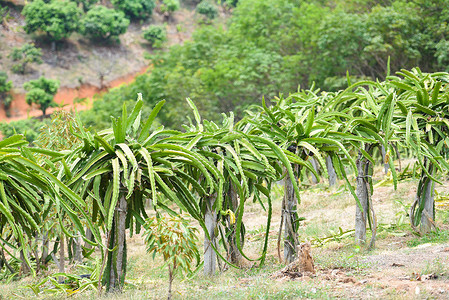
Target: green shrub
{"x": 30, "y": 128}
{"x": 207, "y": 9}
{"x": 61, "y": 133}
{"x": 164, "y": 236}
{"x": 232, "y": 3}
{"x": 139, "y": 9}
{"x": 58, "y": 19}
{"x": 169, "y": 6}
{"x": 5, "y": 89}
{"x": 156, "y": 35}
{"x": 272, "y": 46}
{"x": 4, "y": 11}
{"x": 42, "y": 92}
{"x": 87, "y": 4}
{"x": 24, "y": 55}
{"x": 103, "y": 22}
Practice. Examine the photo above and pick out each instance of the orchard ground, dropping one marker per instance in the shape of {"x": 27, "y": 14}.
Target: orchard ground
{"x": 402, "y": 266}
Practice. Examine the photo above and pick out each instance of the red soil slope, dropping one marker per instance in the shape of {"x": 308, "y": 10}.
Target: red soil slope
{"x": 65, "y": 97}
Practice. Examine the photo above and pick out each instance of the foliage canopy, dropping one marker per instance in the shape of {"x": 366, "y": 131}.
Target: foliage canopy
{"x": 271, "y": 47}
{"x": 41, "y": 91}
{"x": 86, "y": 4}
{"x": 156, "y": 35}
{"x": 139, "y": 9}
{"x": 207, "y": 9}
{"x": 57, "y": 18}
{"x": 169, "y": 6}
{"x": 103, "y": 22}
{"x": 24, "y": 55}
{"x": 5, "y": 89}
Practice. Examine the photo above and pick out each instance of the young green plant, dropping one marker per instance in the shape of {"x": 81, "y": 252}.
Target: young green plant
{"x": 176, "y": 240}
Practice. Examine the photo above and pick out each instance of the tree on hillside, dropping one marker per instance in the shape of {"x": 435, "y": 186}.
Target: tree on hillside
{"x": 156, "y": 35}
{"x": 207, "y": 9}
{"x": 139, "y": 9}
{"x": 4, "y": 11}
{"x": 24, "y": 55}
{"x": 232, "y": 2}
{"x": 230, "y": 68}
{"x": 103, "y": 22}
{"x": 167, "y": 7}
{"x": 86, "y": 4}
{"x": 5, "y": 89}
{"x": 41, "y": 91}
{"x": 58, "y": 19}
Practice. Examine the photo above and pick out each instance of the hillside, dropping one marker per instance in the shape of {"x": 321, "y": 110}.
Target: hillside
{"x": 83, "y": 64}
{"x": 267, "y": 49}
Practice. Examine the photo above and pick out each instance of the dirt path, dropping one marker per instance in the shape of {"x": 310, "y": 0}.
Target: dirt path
{"x": 67, "y": 97}
{"x": 405, "y": 273}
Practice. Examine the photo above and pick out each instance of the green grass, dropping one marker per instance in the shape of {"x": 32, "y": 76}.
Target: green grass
{"x": 439, "y": 236}
{"x": 148, "y": 278}
{"x": 437, "y": 267}
{"x": 348, "y": 259}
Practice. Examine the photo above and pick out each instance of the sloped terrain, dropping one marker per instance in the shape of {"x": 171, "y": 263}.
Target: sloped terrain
{"x": 78, "y": 60}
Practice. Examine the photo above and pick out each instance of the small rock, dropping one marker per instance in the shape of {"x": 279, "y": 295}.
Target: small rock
{"x": 363, "y": 281}
{"x": 417, "y": 290}
{"x": 313, "y": 290}
{"x": 441, "y": 291}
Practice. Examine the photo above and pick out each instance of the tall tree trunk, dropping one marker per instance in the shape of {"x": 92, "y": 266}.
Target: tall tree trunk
{"x": 362, "y": 195}
{"x": 290, "y": 217}
{"x": 78, "y": 251}
{"x": 234, "y": 253}
{"x": 36, "y": 254}
{"x": 428, "y": 213}
{"x": 61, "y": 257}
{"x": 121, "y": 241}
{"x": 24, "y": 266}
{"x": 5, "y": 261}
{"x": 70, "y": 249}
{"x": 89, "y": 236}
{"x": 115, "y": 271}
{"x": 315, "y": 166}
{"x": 45, "y": 245}
{"x": 422, "y": 211}
{"x": 386, "y": 165}
{"x": 331, "y": 171}
{"x": 170, "y": 280}
{"x": 111, "y": 270}
{"x": 210, "y": 219}
{"x": 61, "y": 254}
